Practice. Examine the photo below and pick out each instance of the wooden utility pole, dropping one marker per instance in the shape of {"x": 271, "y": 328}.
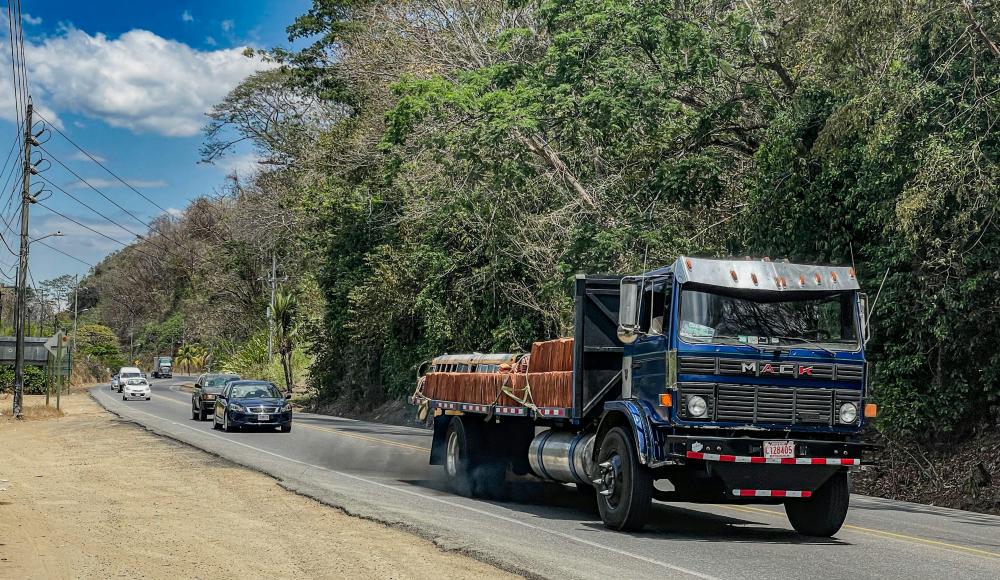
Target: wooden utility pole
{"x": 22, "y": 268}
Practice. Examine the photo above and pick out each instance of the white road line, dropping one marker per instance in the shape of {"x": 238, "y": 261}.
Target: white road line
{"x": 563, "y": 535}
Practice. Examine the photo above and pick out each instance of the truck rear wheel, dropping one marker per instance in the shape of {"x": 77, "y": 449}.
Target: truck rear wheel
{"x": 625, "y": 493}
{"x": 822, "y": 514}
{"x": 471, "y": 468}
{"x": 457, "y": 464}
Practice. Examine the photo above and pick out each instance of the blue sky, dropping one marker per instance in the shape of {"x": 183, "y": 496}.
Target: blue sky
{"x": 130, "y": 82}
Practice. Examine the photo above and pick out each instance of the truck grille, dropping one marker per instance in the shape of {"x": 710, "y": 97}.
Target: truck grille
{"x": 694, "y": 365}
{"x": 766, "y": 404}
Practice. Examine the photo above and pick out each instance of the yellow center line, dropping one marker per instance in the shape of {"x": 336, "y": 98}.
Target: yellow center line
{"x": 407, "y": 446}
{"x": 881, "y": 533}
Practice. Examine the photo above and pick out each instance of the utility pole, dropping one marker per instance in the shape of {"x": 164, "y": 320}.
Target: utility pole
{"x": 22, "y": 268}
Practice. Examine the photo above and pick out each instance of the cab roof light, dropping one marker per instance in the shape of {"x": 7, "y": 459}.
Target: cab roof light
{"x": 733, "y": 274}
{"x": 666, "y": 400}
{"x": 782, "y": 283}
{"x": 819, "y": 279}
{"x": 753, "y": 277}
{"x": 766, "y": 259}
{"x": 833, "y": 276}
{"x": 687, "y": 262}
{"x": 852, "y": 273}
{"x": 802, "y": 280}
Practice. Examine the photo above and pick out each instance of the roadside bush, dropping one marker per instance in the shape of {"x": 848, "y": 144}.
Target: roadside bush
{"x": 35, "y": 380}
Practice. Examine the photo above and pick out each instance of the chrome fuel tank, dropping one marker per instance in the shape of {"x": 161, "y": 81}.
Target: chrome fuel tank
{"x": 562, "y": 456}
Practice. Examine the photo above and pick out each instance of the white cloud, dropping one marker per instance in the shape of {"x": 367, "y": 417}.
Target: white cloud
{"x": 138, "y": 81}
{"x": 102, "y": 183}
{"x": 228, "y": 25}
{"x": 239, "y": 164}
{"x": 80, "y": 156}
{"x": 186, "y": 16}
{"x": 31, "y": 20}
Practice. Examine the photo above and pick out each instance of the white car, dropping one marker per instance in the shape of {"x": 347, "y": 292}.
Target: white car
{"x": 135, "y": 389}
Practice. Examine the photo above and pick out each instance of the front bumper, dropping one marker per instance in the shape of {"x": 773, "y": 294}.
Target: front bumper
{"x": 685, "y": 448}
{"x": 736, "y": 470}
{"x": 136, "y": 394}
{"x": 254, "y": 419}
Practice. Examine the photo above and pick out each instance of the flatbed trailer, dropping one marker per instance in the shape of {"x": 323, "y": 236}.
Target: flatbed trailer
{"x": 660, "y": 391}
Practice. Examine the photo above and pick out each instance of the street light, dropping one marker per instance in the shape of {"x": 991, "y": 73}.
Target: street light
{"x": 57, "y": 234}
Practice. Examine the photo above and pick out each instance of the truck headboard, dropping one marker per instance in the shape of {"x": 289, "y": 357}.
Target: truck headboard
{"x": 597, "y": 352}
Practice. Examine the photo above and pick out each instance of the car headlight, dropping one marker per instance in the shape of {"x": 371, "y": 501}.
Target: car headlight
{"x": 286, "y": 408}
{"x": 697, "y": 406}
{"x": 235, "y": 407}
{"x": 848, "y": 413}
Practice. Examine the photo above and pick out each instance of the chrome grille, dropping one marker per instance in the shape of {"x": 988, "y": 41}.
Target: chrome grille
{"x": 767, "y": 404}
{"x": 851, "y": 373}
{"x": 262, "y": 409}
{"x": 693, "y": 365}
{"x": 820, "y": 371}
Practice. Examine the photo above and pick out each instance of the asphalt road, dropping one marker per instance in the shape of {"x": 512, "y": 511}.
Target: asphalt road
{"x": 381, "y": 472}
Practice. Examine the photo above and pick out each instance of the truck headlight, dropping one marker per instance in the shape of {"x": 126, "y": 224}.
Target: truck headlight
{"x": 848, "y": 413}
{"x": 696, "y": 406}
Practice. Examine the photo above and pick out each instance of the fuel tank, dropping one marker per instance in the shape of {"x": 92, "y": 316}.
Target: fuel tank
{"x": 563, "y": 456}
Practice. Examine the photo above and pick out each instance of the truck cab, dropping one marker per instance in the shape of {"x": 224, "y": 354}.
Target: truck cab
{"x": 742, "y": 381}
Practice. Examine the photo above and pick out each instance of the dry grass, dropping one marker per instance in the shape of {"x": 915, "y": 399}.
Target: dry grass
{"x": 34, "y": 409}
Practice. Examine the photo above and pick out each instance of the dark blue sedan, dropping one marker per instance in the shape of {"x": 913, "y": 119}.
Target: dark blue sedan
{"x": 252, "y": 404}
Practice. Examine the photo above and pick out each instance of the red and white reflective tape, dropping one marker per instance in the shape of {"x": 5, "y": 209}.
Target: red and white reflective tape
{"x": 510, "y": 410}
{"x": 552, "y": 411}
{"x": 476, "y": 408}
{"x": 771, "y": 493}
{"x": 774, "y": 460}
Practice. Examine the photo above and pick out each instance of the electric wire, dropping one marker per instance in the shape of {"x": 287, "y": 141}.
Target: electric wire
{"x": 102, "y": 234}
{"x": 102, "y": 166}
{"x": 68, "y": 255}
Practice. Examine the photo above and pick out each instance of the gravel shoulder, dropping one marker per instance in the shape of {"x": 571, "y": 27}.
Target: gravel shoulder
{"x": 90, "y": 496}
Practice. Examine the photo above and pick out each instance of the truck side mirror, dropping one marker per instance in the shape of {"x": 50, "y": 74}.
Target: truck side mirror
{"x": 628, "y": 310}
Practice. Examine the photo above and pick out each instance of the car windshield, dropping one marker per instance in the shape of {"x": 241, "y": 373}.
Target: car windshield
{"x": 220, "y": 381}
{"x": 137, "y": 381}
{"x": 254, "y": 391}
{"x": 824, "y": 319}
{"x": 129, "y": 375}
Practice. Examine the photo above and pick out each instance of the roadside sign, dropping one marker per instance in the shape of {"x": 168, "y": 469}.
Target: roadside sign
{"x": 58, "y": 340}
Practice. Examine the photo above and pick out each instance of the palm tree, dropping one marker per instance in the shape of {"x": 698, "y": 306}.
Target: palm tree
{"x": 285, "y": 330}
{"x": 189, "y": 354}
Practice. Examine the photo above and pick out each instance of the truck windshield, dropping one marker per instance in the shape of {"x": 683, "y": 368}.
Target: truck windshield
{"x": 826, "y": 320}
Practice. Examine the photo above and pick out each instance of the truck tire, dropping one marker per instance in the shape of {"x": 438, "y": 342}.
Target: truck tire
{"x": 457, "y": 458}
{"x": 630, "y": 484}
{"x": 822, "y": 514}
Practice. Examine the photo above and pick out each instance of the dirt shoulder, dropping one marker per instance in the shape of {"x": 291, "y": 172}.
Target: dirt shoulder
{"x": 90, "y": 496}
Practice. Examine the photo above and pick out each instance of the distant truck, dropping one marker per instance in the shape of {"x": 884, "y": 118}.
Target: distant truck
{"x": 163, "y": 367}
{"x": 736, "y": 381}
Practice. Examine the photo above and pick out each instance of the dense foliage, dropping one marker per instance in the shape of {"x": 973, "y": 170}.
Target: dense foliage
{"x": 436, "y": 172}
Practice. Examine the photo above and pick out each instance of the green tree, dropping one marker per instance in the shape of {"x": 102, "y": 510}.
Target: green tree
{"x": 286, "y": 331}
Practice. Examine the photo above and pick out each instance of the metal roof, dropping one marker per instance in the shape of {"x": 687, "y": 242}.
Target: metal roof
{"x": 762, "y": 275}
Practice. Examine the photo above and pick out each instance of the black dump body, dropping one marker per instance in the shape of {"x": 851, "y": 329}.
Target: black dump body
{"x": 597, "y": 352}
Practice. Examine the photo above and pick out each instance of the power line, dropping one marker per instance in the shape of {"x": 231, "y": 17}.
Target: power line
{"x": 102, "y": 234}
{"x": 84, "y": 204}
{"x": 102, "y": 166}
{"x": 55, "y": 249}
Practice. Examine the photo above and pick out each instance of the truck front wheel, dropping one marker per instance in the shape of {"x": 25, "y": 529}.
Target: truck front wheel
{"x": 625, "y": 491}
{"x": 822, "y": 514}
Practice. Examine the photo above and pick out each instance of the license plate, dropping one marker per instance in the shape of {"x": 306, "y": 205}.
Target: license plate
{"x": 263, "y": 417}
{"x": 779, "y": 449}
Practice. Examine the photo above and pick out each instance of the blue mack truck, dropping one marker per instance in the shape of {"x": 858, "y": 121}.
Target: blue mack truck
{"x": 735, "y": 381}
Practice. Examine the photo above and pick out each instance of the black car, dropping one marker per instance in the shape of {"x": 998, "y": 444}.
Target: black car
{"x": 252, "y": 404}
{"x": 207, "y": 388}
